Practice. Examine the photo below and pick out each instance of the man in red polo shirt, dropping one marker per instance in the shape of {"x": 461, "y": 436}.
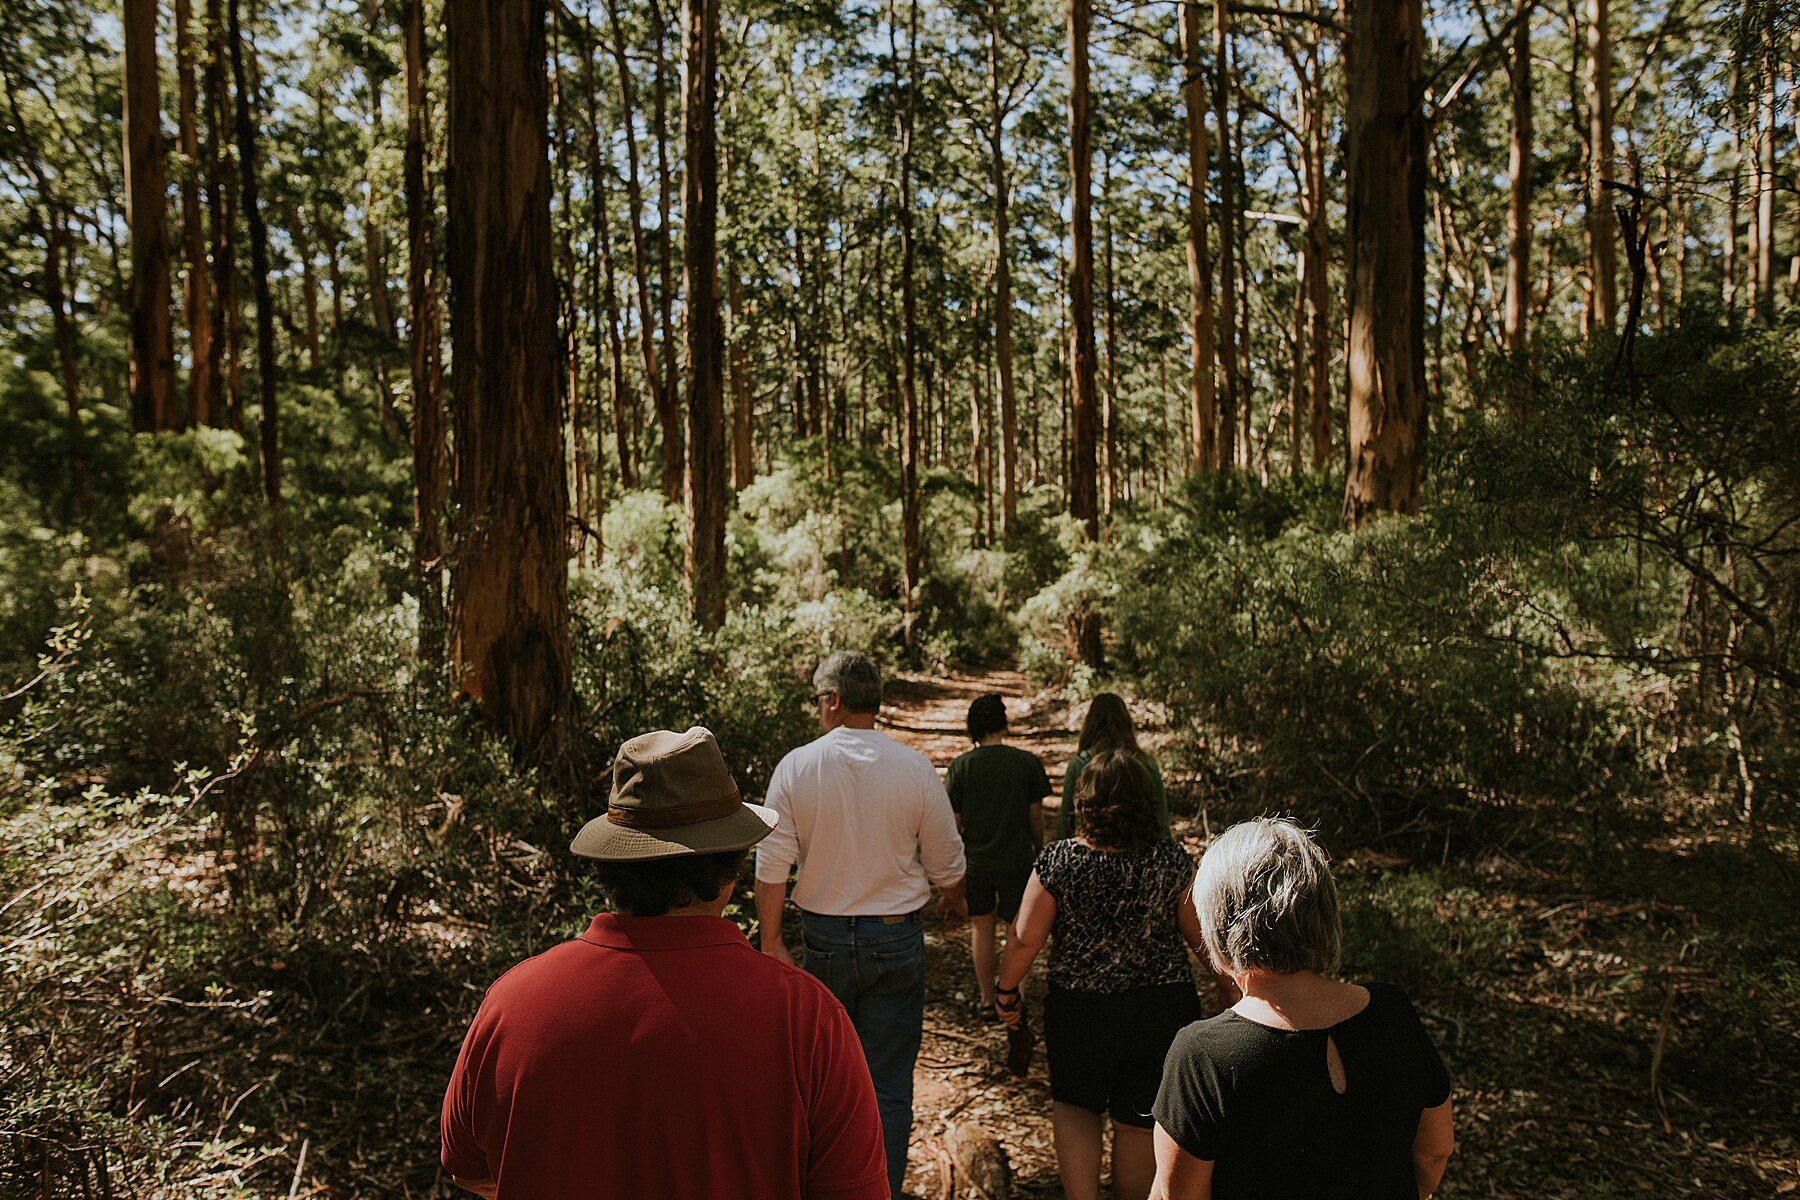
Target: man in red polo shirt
{"x": 658, "y": 1054}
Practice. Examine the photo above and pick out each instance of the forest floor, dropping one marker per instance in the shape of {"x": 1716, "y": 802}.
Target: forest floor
{"x": 1592, "y": 1059}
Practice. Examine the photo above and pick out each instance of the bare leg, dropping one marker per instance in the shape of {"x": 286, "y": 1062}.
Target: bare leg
{"x": 1076, "y": 1132}
{"x": 1133, "y": 1162}
{"x": 983, "y": 946}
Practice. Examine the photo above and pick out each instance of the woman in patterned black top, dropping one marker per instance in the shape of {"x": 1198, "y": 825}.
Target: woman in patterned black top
{"x": 1308, "y": 1086}
{"x": 1115, "y": 904}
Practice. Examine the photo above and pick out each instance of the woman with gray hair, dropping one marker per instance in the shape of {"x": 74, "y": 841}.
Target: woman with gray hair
{"x": 1308, "y": 1086}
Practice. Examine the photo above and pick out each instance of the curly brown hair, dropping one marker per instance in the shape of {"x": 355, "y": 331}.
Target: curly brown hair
{"x": 1115, "y": 802}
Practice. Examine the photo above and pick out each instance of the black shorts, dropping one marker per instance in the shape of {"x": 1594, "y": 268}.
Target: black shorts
{"x": 1106, "y": 1049}
{"x": 991, "y": 893}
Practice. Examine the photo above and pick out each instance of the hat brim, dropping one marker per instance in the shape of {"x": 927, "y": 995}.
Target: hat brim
{"x": 602, "y": 839}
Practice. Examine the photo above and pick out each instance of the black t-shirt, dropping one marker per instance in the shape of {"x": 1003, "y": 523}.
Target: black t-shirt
{"x": 993, "y": 788}
{"x": 1258, "y": 1102}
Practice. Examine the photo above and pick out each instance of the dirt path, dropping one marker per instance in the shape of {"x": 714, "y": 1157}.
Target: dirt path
{"x": 961, "y": 1074}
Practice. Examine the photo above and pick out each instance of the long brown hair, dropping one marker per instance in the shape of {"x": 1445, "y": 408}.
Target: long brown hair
{"x": 1115, "y": 802}
{"x": 1107, "y": 725}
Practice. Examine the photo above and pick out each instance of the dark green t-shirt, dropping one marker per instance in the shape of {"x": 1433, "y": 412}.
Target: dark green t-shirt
{"x": 992, "y": 788}
{"x": 1065, "y": 818}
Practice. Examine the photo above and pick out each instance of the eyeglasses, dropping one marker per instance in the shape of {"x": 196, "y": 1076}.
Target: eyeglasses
{"x": 818, "y": 696}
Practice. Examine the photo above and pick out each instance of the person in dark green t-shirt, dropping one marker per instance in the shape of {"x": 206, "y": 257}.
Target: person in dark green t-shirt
{"x": 997, "y": 792}
{"x": 1107, "y": 727}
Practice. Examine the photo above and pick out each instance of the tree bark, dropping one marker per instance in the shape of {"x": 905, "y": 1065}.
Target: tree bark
{"x": 671, "y": 419}
{"x": 743, "y": 468}
{"x": 381, "y": 304}
{"x": 1003, "y": 303}
{"x": 705, "y": 505}
{"x": 1518, "y": 210}
{"x": 909, "y": 401}
{"x": 1315, "y": 258}
{"x": 197, "y": 300}
{"x": 269, "y": 422}
{"x": 1202, "y": 398}
{"x": 661, "y": 402}
{"x": 425, "y": 337}
{"x": 309, "y": 283}
{"x": 1083, "y": 467}
{"x": 1734, "y": 196}
{"x": 153, "y": 403}
{"x": 1109, "y": 405}
{"x": 1601, "y": 227}
{"x": 605, "y": 298}
{"x": 1386, "y": 182}
{"x": 221, "y": 208}
{"x": 56, "y": 242}
{"x": 1764, "y": 296}
{"x": 1227, "y": 429}
{"x": 509, "y": 608}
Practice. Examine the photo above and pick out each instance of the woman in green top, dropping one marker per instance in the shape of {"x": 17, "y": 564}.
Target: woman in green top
{"x": 1107, "y": 727}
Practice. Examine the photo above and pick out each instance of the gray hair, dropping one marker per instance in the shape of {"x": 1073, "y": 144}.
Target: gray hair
{"x": 855, "y": 679}
{"x": 1267, "y": 901}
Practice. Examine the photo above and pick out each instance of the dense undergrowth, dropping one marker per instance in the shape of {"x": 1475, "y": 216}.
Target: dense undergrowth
{"x": 255, "y": 864}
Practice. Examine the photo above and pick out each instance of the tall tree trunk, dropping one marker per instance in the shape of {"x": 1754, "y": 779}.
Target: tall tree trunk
{"x": 269, "y": 423}
{"x": 425, "y": 337}
{"x": 1315, "y": 254}
{"x": 1764, "y": 297}
{"x": 1003, "y": 314}
{"x": 1793, "y": 218}
{"x": 221, "y": 211}
{"x": 381, "y": 305}
{"x": 909, "y": 400}
{"x": 705, "y": 505}
{"x": 1083, "y": 467}
{"x": 1386, "y": 184}
{"x": 56, "y": 242}
{"x": 1602, "y": 228}
{"x": 197, "y": 300}
{"x": 743, "y": 463}
{"x": 604, "y": 299}
{"x": 153, "y": 403}
{"x": 1518, "y": 210}
{"x": 1227, "y": 429}
{"x": 1734, "y": 196}
{"x": 509, "y": 608}
{"x": 661, "y": 402}
{"x": 1109, "y": 405}
{"x": 309, "y": 283}
{"x": 1201, "y": 396}
{"x": 230, "y": 292}
{"x": 672, "y": 418}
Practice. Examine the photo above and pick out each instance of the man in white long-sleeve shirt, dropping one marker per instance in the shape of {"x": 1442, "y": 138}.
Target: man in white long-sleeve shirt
{"x": 867, "y": 822}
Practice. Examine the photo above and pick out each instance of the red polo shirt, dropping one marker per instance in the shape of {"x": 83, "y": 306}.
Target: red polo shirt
{"x": 663, "y": 1056}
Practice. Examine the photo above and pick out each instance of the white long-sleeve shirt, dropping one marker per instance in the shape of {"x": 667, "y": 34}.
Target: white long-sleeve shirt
{"x": 866, "y": 820}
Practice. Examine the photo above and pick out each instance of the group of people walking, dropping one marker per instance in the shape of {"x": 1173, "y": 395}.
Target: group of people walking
{"x": 659, "y": 1055}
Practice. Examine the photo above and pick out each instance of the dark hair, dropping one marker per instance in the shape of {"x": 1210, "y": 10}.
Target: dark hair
{"x": 1107, "y": 725}
{"x": 651, "y": 887}
{"x": 1115, "y": 802}
{"x": 986, "y": 715}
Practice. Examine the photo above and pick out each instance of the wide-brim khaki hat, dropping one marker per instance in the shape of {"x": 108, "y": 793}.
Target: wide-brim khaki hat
{"x": 672, "y": 794}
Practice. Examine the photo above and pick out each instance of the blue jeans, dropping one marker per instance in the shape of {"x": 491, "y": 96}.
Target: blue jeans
{"x": 877, "y": 971}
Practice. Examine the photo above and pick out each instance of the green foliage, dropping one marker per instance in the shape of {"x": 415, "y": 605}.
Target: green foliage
{"x": 1416, "y": 930}
{"x": 1374, "y": 676}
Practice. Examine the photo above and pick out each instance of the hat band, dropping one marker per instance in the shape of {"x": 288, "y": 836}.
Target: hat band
{"x": 669, "y": 818}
